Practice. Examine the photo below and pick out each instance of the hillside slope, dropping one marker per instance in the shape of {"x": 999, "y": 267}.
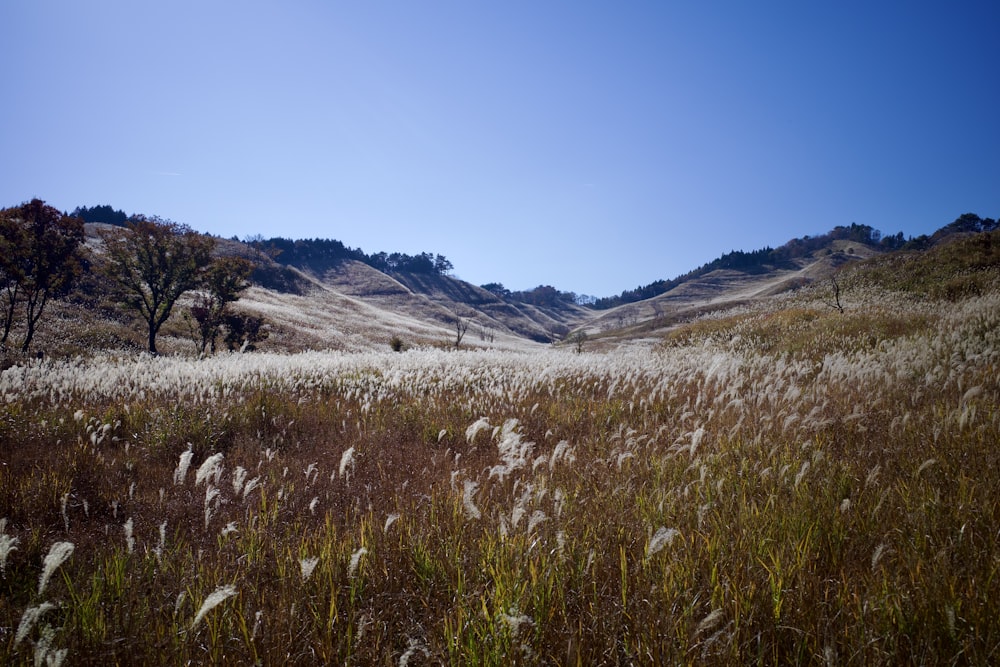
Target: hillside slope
{"x": 348, "y": 304}
{"x": 723, "y": 288}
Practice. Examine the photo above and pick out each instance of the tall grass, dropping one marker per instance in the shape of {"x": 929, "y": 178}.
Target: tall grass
{"x": 782, "y": 486}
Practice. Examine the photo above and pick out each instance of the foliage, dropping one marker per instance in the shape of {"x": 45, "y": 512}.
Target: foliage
{"x": 322, "y": 254}
{"x": 104, "y": 213}
{"x": 154, "y": 262}
{"x": 497, "y": 289}
{"x": 40, "y": 258}
{"x": 397, "y": 262}
{"x": 221, "y": 285}
{"x": 243, "y": 331}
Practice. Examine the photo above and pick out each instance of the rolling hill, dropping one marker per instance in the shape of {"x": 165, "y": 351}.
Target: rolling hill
{"x": 349, "y": 304}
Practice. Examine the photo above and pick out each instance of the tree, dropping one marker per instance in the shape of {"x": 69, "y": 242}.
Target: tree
{"x": 461, "y": 326}
{"x": 244, "y": 332}
{"x": 40, "y": 259}
{"x": 835, "y": 304}
{"x": 154, "y": 262}
{"x": 222, "y": 284}
{"x": 497, "y": 289}
{"x": 104, "y": 214}
{"x": 13, "y": 246}
{"x": 442, "y": 266}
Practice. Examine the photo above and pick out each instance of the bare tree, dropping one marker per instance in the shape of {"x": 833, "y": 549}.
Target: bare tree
{"x": 835, "y": 304}
{"x": 461, "y": 326}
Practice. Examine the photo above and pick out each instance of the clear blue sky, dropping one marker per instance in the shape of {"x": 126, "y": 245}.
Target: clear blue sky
{"x": 594, "y": 146}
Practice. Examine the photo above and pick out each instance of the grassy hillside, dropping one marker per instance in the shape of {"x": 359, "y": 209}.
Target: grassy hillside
{"x": 957, "y": 267}
{"x": 775, "y": 483}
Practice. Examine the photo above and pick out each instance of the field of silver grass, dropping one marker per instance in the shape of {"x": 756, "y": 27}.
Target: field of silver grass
{"x": 782, "y": 486}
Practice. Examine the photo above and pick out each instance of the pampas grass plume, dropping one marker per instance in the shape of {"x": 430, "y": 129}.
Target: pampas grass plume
{"x": 346, "y": 461}
{"x": 352, "y": 567}
{"x": 57, "y": 555}
{"x": 182, "y": 466}
{"x": 209, "y": 467}
{"x": 7, "y": 544}
{"x": 219, "y": 595}
{"x": 662, "y": 538}
{"x": 307, "y": 565}
{"x": 28, "y": 620}
{"x": 467, "y": 494}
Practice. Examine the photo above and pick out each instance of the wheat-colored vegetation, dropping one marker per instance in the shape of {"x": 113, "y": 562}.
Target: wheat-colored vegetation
{"x": 783, "y": 484}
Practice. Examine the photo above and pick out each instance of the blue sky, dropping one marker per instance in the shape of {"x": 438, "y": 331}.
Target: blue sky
{"x": 593, "y": 146}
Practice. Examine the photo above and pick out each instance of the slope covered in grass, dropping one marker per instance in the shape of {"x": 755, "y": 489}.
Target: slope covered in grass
{"x": 954, "y": 268}
{"x": 777, "y": 484}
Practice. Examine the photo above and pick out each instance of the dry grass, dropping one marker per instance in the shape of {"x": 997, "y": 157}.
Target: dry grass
{"x": 780, "y": 485}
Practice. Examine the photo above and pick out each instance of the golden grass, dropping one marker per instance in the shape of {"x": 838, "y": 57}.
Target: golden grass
{"x": 792, "y": 486}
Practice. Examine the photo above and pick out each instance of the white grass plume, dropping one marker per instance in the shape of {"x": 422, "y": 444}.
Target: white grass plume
{"x": 219, "y": 595}
{"x": 801, "y": 473}
{"x": 239, "y": 477}
{"x": 513, "y": 450}
{"x": 468, "y": 494}
{"x": 57, "y": 555}
{"x": 212, "y": 466}
{"x": 306, "y": 567}
{"x": 413, "y": 647}
{"x": 709, "y": 621}
{"x": 182, "y": 466}
{"x": 663, "y": 537}
{"x": 537, "y": 517}
{"x": 211, "y": 493}
{"x": 7, "y": 544}
{"x": 475, "y": 428}
{"x": 28, "y": 620}
{"x": 347, "y": 462}
{"x": 880, "y": 551}
{"x": 65, "y": 511}
{"x": 250, "y": 486}
{"x": 352, "y": 567}
{"x": 129, "y": 537}
{"x": 515, "y": 619}
{"x": 158, "y": 550}
{"x": 696, "y": 438}
{"x": 562, "y": 451}
{"x": 974, "y": 392}
{"x": 44, "y": 655}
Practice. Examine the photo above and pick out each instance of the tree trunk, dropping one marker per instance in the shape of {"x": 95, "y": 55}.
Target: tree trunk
{"x": 152, "y": 338}
{"x": 8, "y": 317}
{"x": 35, "y": 306}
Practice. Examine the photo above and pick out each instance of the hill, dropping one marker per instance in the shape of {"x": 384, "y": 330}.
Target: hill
{"x": 796, "y": 481}
{"x": 321, "y": 294}
{"x": 928, "y": 263}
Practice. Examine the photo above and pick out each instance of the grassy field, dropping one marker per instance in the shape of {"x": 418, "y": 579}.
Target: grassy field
{"x": 785, "y": 484}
